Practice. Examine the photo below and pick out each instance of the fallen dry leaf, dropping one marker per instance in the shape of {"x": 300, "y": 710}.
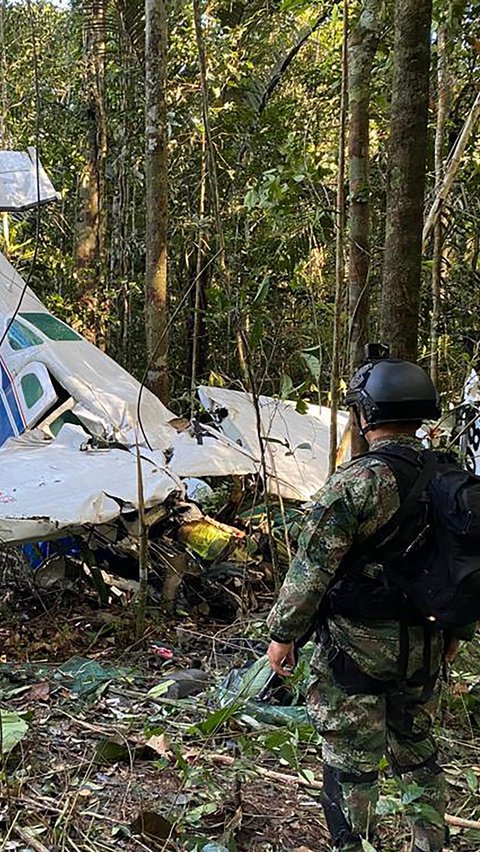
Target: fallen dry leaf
{"x": 159, "y": 744}
{"x": 39, "y": 692}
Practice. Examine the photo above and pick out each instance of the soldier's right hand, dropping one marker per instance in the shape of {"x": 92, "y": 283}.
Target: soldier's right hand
{"x": 280, "y": 656}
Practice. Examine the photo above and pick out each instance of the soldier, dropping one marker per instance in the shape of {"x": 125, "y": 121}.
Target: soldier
{"x": 376, "y": 664}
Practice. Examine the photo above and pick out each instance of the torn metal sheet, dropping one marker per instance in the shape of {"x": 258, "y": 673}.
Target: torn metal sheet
{"x": 51, "y": 486}
{"x": 20, "y": 187}
{"x": 58, "y": 390}
{"x": 39, "y": 348}
{"x": 295, "y": 445}
{"x": 69, "y": 425}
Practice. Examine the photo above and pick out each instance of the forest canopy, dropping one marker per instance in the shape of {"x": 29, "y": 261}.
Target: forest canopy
{"x": 252, "y": 96}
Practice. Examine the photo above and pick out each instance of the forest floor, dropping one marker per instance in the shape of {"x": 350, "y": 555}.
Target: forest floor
{"x": 104, "y": 765}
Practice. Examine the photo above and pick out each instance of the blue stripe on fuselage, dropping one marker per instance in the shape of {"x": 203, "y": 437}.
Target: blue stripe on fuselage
{"x": 10, "y": 398}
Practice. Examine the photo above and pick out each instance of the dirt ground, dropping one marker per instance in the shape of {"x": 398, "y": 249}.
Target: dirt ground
{"x": 103, "y": 766}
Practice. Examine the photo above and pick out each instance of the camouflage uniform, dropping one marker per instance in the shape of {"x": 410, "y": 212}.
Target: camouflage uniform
{"x": 373, "y": 688}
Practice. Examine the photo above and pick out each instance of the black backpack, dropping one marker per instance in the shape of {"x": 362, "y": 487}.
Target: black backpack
{"x": 429, "y": 550}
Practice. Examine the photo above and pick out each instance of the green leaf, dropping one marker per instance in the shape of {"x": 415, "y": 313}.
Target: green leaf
{"x": 301, "y": 406}
{"x": 201, "y": 810}
{"x": 286, "y": 386}
{"x": 14, "y": 729}
{"x": 110, "y": 751}
{"x": 215, "y": 721}
{"x": 424, "y": 812}
{"x": 312, "y": 363}
{"x": 160, "y": 689}
{"x": 367, "y": 847}
{"x": 307, "y": 774}
{"x": 256, "y": 333}
{"x": 388, "y": 805}
{"x": 411, "y": 793}
{"x": 262, "y": 291}
{"x": 471, "y": 780}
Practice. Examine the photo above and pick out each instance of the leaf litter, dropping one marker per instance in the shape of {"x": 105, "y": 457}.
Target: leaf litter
{"x": 99, "y": 753}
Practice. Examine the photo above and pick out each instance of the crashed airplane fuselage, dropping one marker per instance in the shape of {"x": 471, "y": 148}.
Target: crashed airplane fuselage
{"x": 71, "y": 437}
{"x": 69, "y": 431}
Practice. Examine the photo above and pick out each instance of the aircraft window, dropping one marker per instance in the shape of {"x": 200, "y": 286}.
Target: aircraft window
{"x": 21, "y": 337}
{"x": 32, "y": 389}
{"x": 51, "y": 326}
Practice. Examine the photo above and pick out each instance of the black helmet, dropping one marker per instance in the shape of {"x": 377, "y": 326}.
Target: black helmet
{"x": 393, "y": 391}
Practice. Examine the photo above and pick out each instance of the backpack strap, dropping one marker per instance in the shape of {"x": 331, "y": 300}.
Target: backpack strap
{"x": 407, "y": 505}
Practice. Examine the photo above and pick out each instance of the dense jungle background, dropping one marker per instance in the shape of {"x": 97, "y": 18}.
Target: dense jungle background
{"x": 250, "y": 179}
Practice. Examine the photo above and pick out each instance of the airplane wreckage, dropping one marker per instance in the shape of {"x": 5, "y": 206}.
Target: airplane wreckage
{"x": 74, "y": 426}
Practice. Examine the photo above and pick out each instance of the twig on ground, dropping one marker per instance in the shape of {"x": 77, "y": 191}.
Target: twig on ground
{"x": 30, "y": 839}
{"x": 458, "y": 822}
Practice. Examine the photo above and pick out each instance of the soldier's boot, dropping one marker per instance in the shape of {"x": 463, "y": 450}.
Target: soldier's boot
{"x": 347, "y": 800}
{"x": 424, "y": 845}
{"x": 430, "y": 836}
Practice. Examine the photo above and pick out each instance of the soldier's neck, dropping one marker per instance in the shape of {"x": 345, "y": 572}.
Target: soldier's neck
{"x": 389, "y": 432}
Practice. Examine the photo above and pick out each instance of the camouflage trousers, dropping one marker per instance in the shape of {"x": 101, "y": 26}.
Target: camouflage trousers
{"x": 362, "y": 720}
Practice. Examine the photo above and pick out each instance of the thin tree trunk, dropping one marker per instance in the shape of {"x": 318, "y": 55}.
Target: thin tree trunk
{"x": 91, "y": 217}
{"x": 406, "y": 178}
{"x": 197, "y": 318}
{"x": 119, "y": 244}
{"x": 156, "y": 196}
{"x": 339, "y": 249}
{"x": 442, "y": 114}
{"x": 452, "y": 167}
{"x": 214, "y": 188}
{"x": 3, "y": 83}
{"x": 362, "y": 45}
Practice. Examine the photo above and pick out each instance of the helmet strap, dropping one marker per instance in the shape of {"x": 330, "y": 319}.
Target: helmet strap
{"x": 362, "y": 429}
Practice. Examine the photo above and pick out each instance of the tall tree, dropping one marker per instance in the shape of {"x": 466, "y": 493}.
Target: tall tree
{"x": 91, "y": 214}
{"x": 437, "y": 264}
{"x": 339, "y": 249}
{"x": 156, "y": 196}
{"x": 406, "y": 177}
{"x": 362, "y": 45}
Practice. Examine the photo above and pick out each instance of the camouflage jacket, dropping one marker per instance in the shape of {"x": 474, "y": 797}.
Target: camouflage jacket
{"x": 358, "y": 499}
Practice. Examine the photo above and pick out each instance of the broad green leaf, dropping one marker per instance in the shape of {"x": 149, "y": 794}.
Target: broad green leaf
{"x": 215, "y": 721}
{"x": 312, "y": 363}
{"x": 367, "y": 847}
{"x": 411, "y": 793}
{"x": 471, "y": 780}
{"x": 14, "y": 729}
{"x": 160, "y": 689}
{"x": 307, "y": 774}
{"x": 422, "y": 811}
{"x": 387, "y": 805}
{"x": 286, "y": 386}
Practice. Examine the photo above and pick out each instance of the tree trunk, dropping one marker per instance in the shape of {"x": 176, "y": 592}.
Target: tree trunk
{"x": 339, "y": 250}
{"x": 442, "y": 114}
{"x": 91, "y": 216}
{"x": 3, "y": 79}
{"x": 199, "y": 306}
{"x": 120, "y": 246}
{"x": 406, "y": 178}
{"x": 362, "y": 45}
{"x": 156, "y": 196}
{"x": 452, "y": 166}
